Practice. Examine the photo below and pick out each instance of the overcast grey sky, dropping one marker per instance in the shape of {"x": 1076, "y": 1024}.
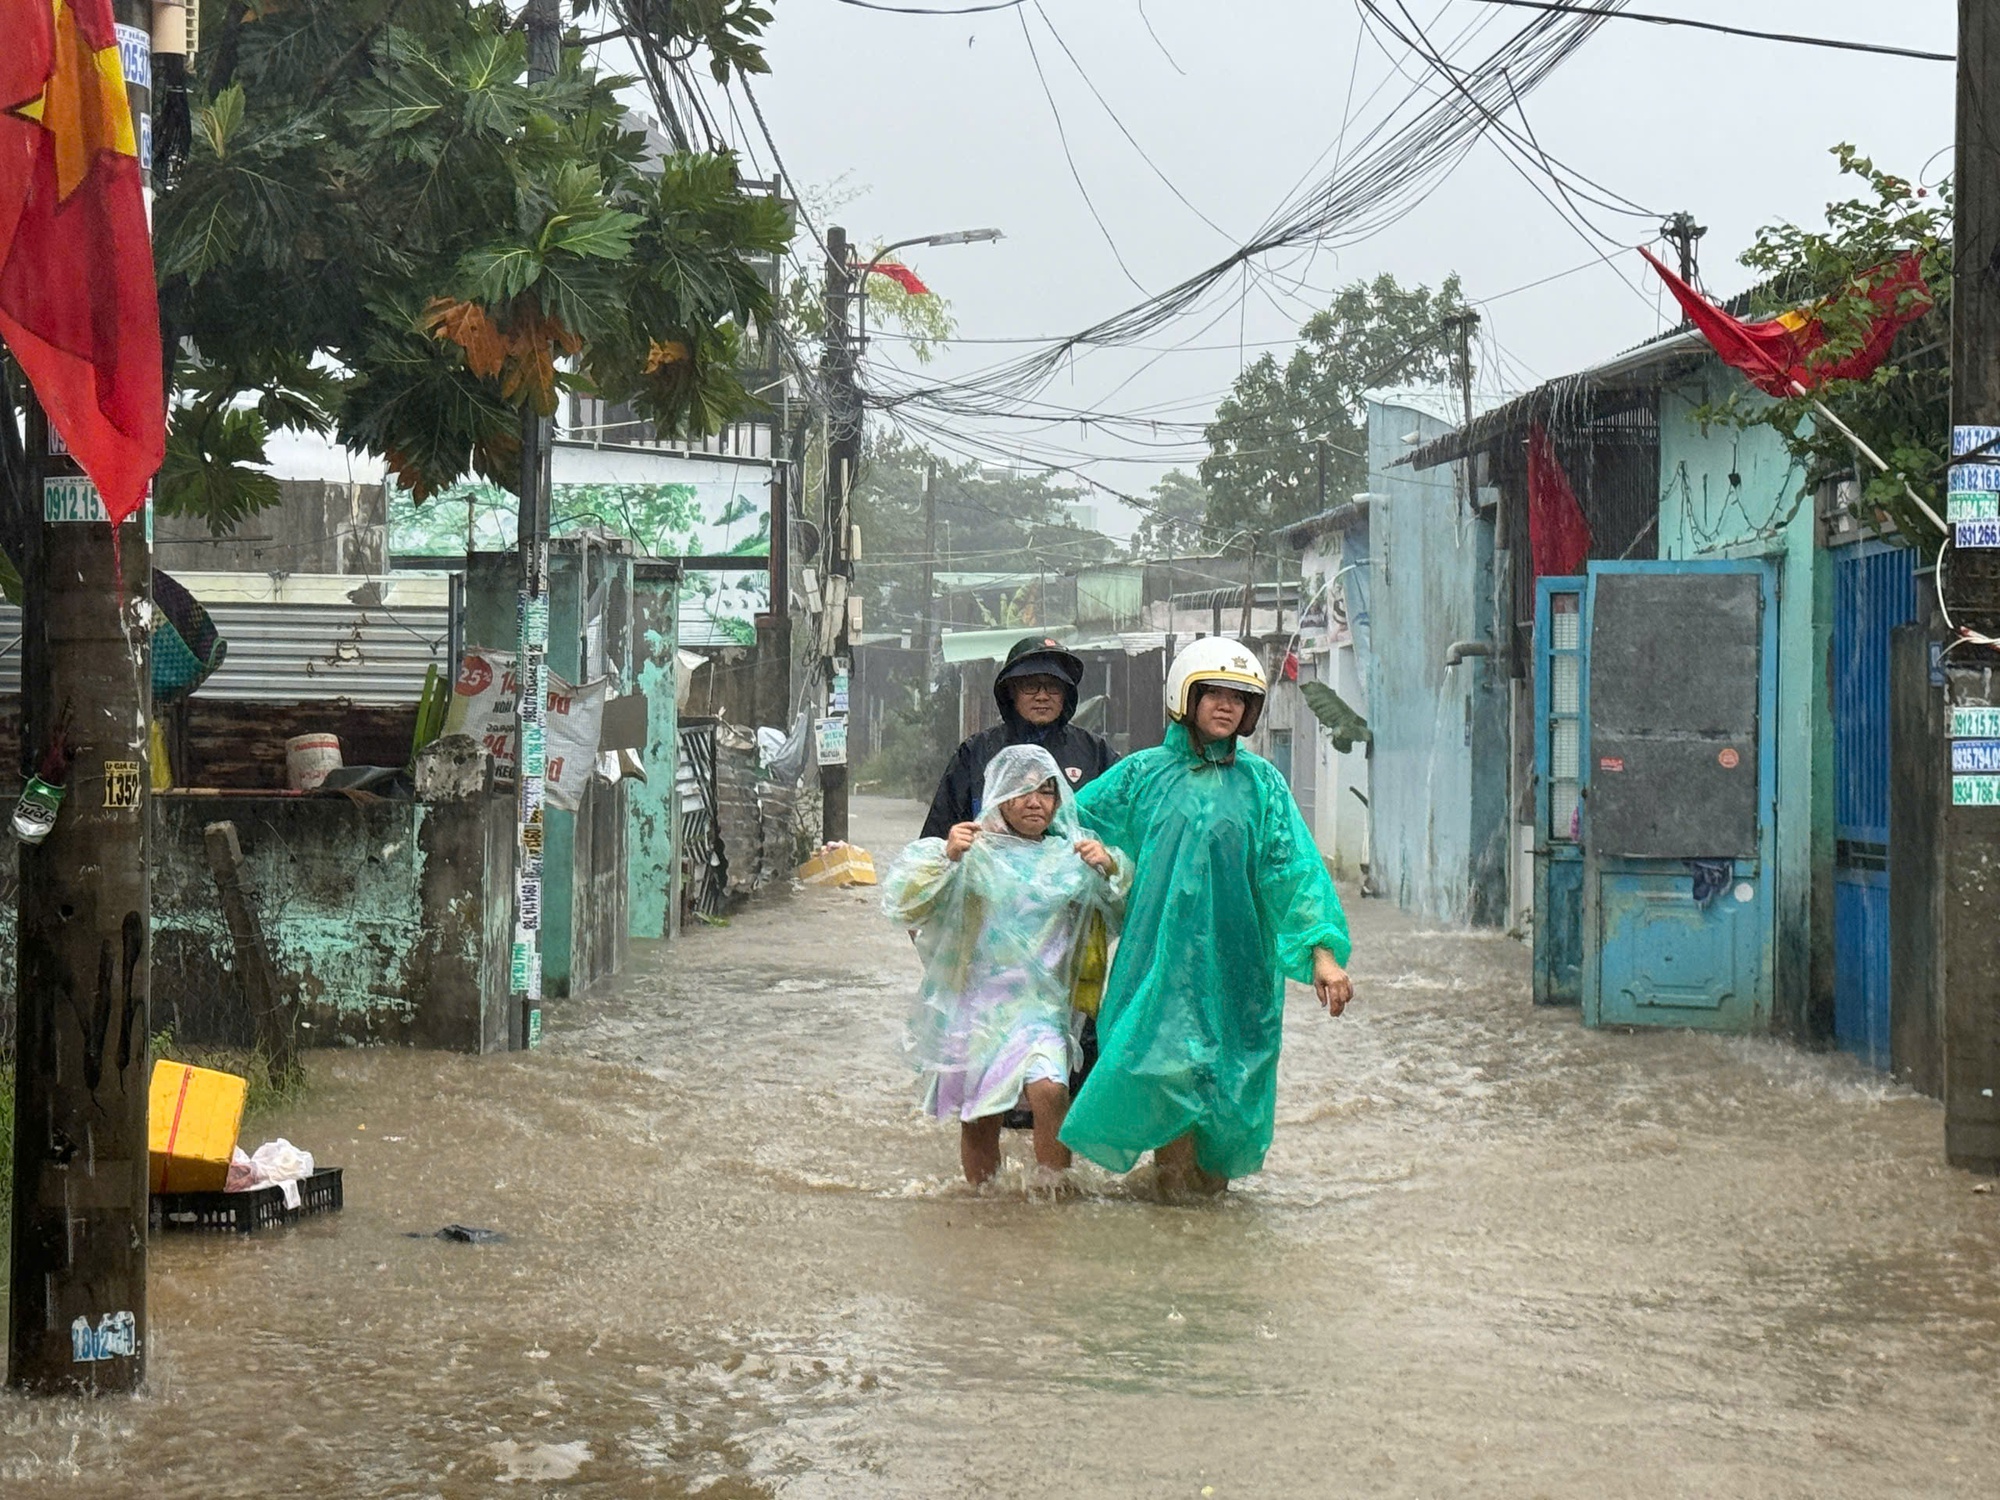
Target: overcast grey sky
{"x": 940, "y": 123}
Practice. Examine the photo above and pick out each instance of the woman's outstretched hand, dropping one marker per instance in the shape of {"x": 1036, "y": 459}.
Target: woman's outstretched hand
{"x": 959, "y": 840}
{"x": 1331, "y": 982}
{"x": 1096, "y": 856}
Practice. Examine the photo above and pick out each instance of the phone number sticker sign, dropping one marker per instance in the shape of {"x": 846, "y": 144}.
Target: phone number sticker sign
{"x": 71, "y": 497}
{"x": 1975, "y": 791}
{"x": 1975, "y": 757}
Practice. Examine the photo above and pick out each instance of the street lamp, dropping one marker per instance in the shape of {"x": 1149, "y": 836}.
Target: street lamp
{"x": 954, "y": 237}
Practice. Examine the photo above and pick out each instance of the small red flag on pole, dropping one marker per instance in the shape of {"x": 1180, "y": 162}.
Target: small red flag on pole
{"x": 903, "y": 276}
{"x": 78, "y": 305}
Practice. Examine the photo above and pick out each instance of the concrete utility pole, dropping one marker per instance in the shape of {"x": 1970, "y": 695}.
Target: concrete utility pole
{"x": 1681, "y": 231}
{"x": 843, "y": 456}
{"x": 1465, "y": 323}
{"x": 1249, "y": 587}
{"x": 930, "y": 553}
{"x": 77, "y": 1309}
{"x": 1969, "y": 956}
{"x": 544, "y": 23}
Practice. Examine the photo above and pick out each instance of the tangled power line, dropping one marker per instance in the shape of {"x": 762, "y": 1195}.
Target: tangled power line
{"x": 1382, "y": 174}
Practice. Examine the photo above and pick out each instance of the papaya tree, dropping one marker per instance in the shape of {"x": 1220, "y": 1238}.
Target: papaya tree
{"x": 384, "y": 232}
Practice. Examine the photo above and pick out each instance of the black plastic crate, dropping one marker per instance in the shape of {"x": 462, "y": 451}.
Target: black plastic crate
{"x": 321, "y": 1192}
{"x": 246, "y": 1213}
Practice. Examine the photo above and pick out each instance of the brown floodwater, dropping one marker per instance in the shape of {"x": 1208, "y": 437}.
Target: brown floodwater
{"x": 1492, "y": 1254}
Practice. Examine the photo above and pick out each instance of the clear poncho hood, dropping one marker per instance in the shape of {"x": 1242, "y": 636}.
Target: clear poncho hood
{"x": 1016, "y": 771}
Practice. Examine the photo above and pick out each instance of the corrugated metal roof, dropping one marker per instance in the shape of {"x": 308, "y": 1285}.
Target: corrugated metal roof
{"x": 305, "y": 638}
{"x": 1650, "y": 364}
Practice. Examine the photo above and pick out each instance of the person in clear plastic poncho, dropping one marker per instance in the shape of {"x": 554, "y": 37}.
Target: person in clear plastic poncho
{"x": 1005, "y": 908}
{"x": 1229, "y": 900}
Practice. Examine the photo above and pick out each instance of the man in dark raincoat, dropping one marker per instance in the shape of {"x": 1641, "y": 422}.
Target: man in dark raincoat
{"x": 1036, "y": 689}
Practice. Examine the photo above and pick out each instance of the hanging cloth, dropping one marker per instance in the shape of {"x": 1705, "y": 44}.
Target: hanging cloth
{"x": 1558, "y": 534}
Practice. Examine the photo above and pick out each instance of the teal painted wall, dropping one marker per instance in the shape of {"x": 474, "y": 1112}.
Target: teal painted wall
{"x": 376, "y": 910}
{"x": 652, "y": 805}
{"x": 1727, "y": 493}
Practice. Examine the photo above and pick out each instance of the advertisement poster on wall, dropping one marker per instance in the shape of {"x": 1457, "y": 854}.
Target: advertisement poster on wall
{"x": 705, "y": 509}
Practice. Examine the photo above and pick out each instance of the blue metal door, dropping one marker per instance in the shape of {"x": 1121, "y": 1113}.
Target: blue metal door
{"x": 1874, "y": 591}
{"x": 1679, "y": 779}
{"x": 1558, "y": 778}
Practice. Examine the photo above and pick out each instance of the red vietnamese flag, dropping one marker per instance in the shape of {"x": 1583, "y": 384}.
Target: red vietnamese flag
{"x": 1777, "y": 355}
{"x": 903, "y": 276}
{"x": 78, "y": 308}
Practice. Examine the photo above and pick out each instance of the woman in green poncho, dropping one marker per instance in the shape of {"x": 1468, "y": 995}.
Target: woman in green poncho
{"x": 1229, "y": 899}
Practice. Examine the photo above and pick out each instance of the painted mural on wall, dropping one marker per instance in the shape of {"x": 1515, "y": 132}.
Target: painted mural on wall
{"x": 710, "y": 519}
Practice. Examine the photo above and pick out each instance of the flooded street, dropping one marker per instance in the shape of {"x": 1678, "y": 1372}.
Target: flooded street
{"x": 1492, "y": 1254}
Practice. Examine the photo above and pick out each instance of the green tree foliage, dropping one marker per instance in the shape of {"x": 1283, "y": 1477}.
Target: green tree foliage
{"x": 384, "y": 231}
{"x": 919, "y": 324}
{"x": 1177, "y": 526}
{"x": 1902, "y": 411}
{"x": 1262, "y": 470}
{"x": 988, "y": 521}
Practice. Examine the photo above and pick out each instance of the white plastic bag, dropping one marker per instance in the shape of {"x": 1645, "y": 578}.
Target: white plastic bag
{"x": 277, "y": 1164}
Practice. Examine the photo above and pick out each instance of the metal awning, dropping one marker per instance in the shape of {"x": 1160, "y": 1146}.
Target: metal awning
{"x": 993, "y": 645}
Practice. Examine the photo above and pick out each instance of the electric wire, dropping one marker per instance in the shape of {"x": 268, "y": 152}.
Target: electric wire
{"x": 1147, "y": 21}
{"x": 914, "y": 10}
{"x": 1062, "y": 136}
{"x": 1098, "y": 95}
{"x": 1795, "y": 38}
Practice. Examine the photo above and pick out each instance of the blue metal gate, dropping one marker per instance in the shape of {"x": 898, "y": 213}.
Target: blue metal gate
{"x": 1679, "y": 783}
{"x": 1874, "y": 591}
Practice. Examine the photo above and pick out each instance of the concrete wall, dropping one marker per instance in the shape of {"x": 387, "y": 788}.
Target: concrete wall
{"x": 1765, "y": 510}
{"x": 1340, "y": 817}
{"x": 1439, "y": 826}
{"x": 317, "y": 526}
{"x": 379, "y": 912}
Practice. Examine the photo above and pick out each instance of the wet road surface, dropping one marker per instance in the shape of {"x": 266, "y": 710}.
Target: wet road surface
{"x": 1492, "y": 1254}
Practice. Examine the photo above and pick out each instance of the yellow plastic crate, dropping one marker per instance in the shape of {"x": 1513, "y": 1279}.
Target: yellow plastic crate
{"x": 839, "y": 865}
{"x": 193, "y": 1117}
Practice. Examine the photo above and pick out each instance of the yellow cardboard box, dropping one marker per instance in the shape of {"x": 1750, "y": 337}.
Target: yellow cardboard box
{"x": 192, "y": 1117}
{"x": 839, "y": 864}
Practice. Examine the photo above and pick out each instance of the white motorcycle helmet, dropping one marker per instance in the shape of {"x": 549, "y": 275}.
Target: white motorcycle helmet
{"x": 1219, "y": 660}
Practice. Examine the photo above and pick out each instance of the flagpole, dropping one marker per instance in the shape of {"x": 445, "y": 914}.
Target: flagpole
{"x": 1872, "y": 456}
{"x": 77, "y": 1320}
